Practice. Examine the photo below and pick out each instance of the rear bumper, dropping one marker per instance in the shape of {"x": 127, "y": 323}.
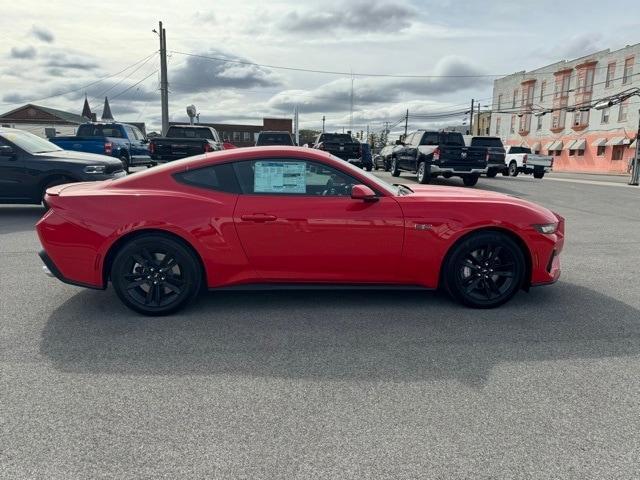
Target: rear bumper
{"x": 458, "y": 169}
{"x": 50, "y": 269}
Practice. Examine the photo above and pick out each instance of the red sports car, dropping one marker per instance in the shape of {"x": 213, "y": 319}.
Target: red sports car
{"x": 282, "y": 216}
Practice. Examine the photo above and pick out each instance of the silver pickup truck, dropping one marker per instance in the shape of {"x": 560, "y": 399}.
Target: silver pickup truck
{"x": 521, "y": 160}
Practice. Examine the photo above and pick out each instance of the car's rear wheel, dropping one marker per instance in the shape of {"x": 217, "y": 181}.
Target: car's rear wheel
{"x": 538, "y": 173}
{"x": 422, "y": 175}
{"x": 470, "y": 180}
{"x": 155, "y": 274}
{"x": 513, "y": 168}
{"x": 485, "y": 270}
{"x": 395, "y": 171}
{"x": 492, "y": 172}
{"x": 124, "y": 158}
{"x": 368, "y": 168}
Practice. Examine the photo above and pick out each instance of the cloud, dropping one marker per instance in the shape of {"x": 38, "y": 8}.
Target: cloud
{"x": 451, "y": 74}
{"x": 354, "y": 16}
{"x": 15, "y": 98}
{"x": 42, "y": 33}
{"x": 204, "y": 17}
{"x": 23, "y": 53}
{"x": 70, "y": 61}
{"x": 202, "y": 74}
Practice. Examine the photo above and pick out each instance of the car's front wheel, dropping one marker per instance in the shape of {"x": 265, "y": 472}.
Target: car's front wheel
{"x": 155, "y": 275}
{"x": 422, "y": 175}
{"x": 395, "y": 171}
{"x": 485, "y": 270}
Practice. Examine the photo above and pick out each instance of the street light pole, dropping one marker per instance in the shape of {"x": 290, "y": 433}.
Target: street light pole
{"x": 164, "y": 83}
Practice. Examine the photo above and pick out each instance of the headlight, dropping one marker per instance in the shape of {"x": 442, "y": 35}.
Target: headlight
{"x": 547, "y": 228}
{"x": 94, "y": 169}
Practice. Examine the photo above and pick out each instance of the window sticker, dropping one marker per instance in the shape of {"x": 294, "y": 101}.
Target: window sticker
{"x": 280, "y": 177}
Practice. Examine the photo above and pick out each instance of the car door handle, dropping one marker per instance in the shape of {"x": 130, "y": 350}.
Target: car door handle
{"x": 258, "y": 217}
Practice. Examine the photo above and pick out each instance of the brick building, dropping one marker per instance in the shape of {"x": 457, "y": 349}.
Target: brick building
{"x": 584, "y": 140}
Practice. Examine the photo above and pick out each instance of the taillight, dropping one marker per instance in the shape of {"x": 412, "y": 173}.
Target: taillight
{"x": 208, "y": 147}
{"x": 436, "y": 154}
{"x": 487, "y": 157}
{"x": 108, "y": 148}
{"x": 152, "y": 147}
{"x": 524, "y": 159}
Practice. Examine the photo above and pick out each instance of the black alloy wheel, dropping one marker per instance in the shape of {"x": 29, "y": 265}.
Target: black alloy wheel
{"x": 395, "y": 171}
{"x": 485, "y": 270}
{"x": 155, "y": 274}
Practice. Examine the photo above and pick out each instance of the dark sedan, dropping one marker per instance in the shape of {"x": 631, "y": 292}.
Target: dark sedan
{"x": 30, "y": 164}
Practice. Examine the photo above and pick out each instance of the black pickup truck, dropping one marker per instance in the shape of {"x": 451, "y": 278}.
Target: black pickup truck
{"x": 184, "y": 141}
{"x": 430, "y": 154}
{"x": 341, "y": 145}
{"x": 495, "y": 152}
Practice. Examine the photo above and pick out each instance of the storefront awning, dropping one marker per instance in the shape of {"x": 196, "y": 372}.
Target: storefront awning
{"x": 600, "y": 142}
{"x": 569, "y": 145}
{"x": 618, "y": 141}
{"x": 548, "y": 145}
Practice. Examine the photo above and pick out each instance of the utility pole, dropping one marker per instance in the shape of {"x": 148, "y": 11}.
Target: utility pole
{"x": 323, "y": 120}
{"x": 164, "y": 83}
{"x": 471, "y": 118}
{"x": 478, "y": 125}
{"x": 406, "y": 124}
{"x": 351, "y": 106}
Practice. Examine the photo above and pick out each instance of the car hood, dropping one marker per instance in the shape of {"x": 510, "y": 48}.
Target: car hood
{"x": 80, "y": 157}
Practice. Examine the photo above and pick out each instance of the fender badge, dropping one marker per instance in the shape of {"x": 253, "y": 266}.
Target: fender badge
{"x": 423, "y": 226}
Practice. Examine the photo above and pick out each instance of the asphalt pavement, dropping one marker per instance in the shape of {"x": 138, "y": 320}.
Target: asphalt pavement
{"x": 333, "y": 384}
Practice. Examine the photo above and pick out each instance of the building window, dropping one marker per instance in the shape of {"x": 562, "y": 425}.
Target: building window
{"x": 611, "y": 71}
{"x": 618, "y": 152}
{"x": 543, "y": 86}
{"x": 601, "y": 149}
{"x": 623, "y": 111}
{"x": 628, "y": 70}
{"x": 588, "y": 82}
{"x": 512, "y": 128}
{"x": 236, "y": 136}
{"x": 246, "y": 136}
{"x": 539, "y": 125}
{"x": 605, "y": 115}
{"x": 515, "y": 98}
{"x": 497, "y": 126}
{"x": 499, "y": 102}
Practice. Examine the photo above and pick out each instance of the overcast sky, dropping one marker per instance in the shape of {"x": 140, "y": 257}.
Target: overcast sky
{"x": 52, "y": 47}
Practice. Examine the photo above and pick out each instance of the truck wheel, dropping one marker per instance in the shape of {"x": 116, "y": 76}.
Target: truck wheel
{"x": 470, "y": 180}
{"x": 505, "y": 172}
{"x": 492, "y": 172}
{"x": 124, "y": 158}
{"x": 538, "y": 173}
{"x": 395, "y": 172}
{"x": 369, "y": 168}
{"x": 513, "y": 168}
{"x": 423, "y": 176}
{"x": 385, "y": 165}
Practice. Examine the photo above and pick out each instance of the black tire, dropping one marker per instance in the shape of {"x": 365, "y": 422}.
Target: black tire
{"x": 485, "y": 270}
{"x": 513, "y": 168}
{"x": 385, "y": 166}
{"x": 124, "y": 158}
{"x": 369, "y": 168}
{"x": 395, "y": 171}
{"x": 538, "y": 173}
{"x": 156, "y": 258}
{"x": 375, "y": 166}
{"x": 492, "y": 172}
{"x": 422, "y": 175}
{"x": 470, "y": 180}
{"x": 505, "y": 172}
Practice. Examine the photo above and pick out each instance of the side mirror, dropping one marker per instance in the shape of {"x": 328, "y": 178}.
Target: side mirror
{"x": 362, "y": 192}
{"x": 399, "y": 142}
{"x": 7, "y": 151}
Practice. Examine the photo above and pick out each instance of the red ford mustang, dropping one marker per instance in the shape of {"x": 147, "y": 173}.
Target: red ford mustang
{"x": 279, "y": 216}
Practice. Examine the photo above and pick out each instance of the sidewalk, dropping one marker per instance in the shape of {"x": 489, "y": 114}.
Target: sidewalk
{"x": 590, "y": 177}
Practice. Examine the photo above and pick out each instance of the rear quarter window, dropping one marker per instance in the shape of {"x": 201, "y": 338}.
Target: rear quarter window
{"x": 221, "y": 178}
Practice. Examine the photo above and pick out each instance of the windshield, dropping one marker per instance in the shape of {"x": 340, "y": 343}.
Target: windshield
{"x": 30, "y": 143}
{"x": 519, "y": 150}
{"x": 392, "y": 189}
{"x": 274, "y": 139}
{"x": 486, "y": 142}
{"x": 188, "y": 132}
{"x": 99, "y": 130}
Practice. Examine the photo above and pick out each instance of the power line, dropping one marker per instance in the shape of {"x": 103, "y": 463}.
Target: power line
{"x": 84, "y": 86}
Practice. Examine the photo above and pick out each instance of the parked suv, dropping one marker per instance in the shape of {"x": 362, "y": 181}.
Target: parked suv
{"x": 430, "y": 154}
{"x": 274, "y": 138}
{"x": 495, "y": 152}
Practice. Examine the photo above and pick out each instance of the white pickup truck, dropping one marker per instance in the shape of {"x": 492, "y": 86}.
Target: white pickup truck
{"x": 520, "y": 159}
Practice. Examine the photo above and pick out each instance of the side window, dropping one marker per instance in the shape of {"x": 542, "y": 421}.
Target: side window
{"x": 130, "y": 133}
{"x": 139, "y": 135}
{"x": 215, "y": 177}
{"x": 292, "y": 177}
